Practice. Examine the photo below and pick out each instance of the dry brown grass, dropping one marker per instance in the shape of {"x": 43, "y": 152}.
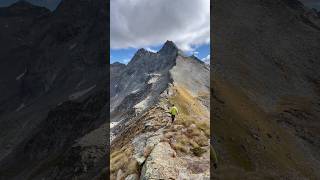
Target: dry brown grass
{"x": 205, "y": 127}
{"x": 186, "y": 103}
{"x": 119, "y": 159}
{"x": 182, "y": 139}
{"x": 201, "y": 140}
{"x": 192, "y": 132}
{"x": 132, "y": 168}
{"x": 193, "y": 143}
{"x": 195, "y": 130}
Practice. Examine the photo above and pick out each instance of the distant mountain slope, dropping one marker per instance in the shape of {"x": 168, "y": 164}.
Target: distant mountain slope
{"x": 265, "y": 90}
{"x": 144, "y": 142}
{"x": 53, "y": 100}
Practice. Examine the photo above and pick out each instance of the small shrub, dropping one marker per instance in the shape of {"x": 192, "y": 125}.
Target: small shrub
{"x": 193, "y": 143}
{"x": 203, "y": 125}
{"x": 182, "y": 139}
{"x": 191, "y": 132}
{"x": 198, "y": 151}
{"x": 201, "y": 140}
{"x": 133, "y": 167}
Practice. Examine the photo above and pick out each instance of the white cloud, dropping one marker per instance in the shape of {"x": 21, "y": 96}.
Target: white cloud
{"x": 151, "y": 50}
{"x": 145, "y": 23}
{"x": 206, "y": 59}
{"x": 125, "y": 61}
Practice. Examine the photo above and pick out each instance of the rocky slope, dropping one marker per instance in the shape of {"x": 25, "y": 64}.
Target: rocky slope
{"x": 54, "y": 99}
{"x": 145, "y": 144}
{"x": 265, "y": 90}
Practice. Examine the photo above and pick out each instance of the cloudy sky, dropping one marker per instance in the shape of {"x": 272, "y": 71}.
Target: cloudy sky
{"x": 148, "y": 24}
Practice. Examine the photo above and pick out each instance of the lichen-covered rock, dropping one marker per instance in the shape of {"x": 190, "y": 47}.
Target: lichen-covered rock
{"x": 161, "y": 164}
{"x": 143, "y": 141}
{"x": 132, "y": 177}
{"x": 120, "y": 175}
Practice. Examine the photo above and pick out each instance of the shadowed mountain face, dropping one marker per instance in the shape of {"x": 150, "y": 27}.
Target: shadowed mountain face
{"x": 53, "y": 103}
{"x": 265, "y": 89}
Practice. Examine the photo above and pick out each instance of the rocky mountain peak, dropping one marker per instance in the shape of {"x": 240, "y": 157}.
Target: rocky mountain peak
{"x": 22, "y": 4}
{"x": 117, "y": 64}
{"x": 141, "y": 51}
{"x": 169, "y": 47}
{"x": 24, "y": 8}
{"x": 152, "y": 61}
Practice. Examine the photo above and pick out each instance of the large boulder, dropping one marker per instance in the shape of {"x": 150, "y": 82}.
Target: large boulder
{"x": 161, "y": 164}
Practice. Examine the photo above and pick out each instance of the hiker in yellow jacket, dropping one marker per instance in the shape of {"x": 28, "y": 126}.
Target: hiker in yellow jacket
{"x": 173, "y": 112}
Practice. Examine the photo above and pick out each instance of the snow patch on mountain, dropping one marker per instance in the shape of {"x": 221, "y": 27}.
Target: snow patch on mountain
{"x": 78, "y": 94}
{"x": 21, "y": 75}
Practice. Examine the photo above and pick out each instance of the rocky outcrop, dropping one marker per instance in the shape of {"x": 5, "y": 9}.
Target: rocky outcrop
{"x": 161, "y": 163}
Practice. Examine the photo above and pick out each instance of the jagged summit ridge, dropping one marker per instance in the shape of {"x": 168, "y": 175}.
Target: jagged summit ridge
{"x": 164, "y": 57}
{"x": 169, "y": 47}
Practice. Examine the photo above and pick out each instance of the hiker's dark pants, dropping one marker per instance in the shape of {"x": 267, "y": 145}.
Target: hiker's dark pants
{"x": 172, "y": 117}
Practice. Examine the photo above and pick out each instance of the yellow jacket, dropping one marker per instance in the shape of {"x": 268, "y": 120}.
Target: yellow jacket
{"x": 173, "y": 110}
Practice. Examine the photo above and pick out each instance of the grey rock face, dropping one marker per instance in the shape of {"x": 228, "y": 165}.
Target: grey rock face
{"x": 199, "y": 81}
{"x": 132, "y": 177}
{"x": 53, "y": 91}
{"x": 164, "y": 165}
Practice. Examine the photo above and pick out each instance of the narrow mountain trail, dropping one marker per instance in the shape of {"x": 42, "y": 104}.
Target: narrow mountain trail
{"x": 151, "y": 147}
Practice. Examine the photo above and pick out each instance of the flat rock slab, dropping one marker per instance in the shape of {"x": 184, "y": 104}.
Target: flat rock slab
{"x": 161, "y": 164}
